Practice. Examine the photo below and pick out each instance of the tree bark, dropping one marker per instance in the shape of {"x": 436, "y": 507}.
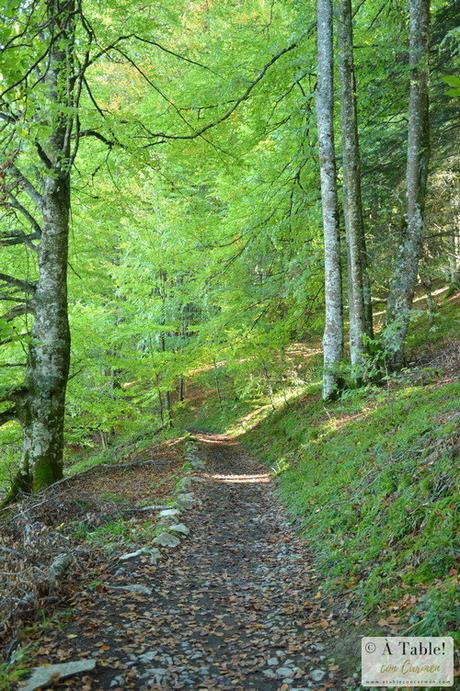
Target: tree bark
{"x": 181, "y": 392}
{"x": 404, "y": 278}
{"x": 454, "y": 260}
{"x": 333, "y": 327}
{"x": 358, "y": 282}
{"x": 49, "y": 353}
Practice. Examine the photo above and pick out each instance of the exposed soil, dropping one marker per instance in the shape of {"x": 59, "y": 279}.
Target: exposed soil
{"x": 235, "y": 606}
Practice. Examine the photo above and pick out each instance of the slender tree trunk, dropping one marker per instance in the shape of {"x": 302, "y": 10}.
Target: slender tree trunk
{"x": 404, "y": 278}
{"x": 358, "y": 283}
{"x": 160, "y": 400}
{"x": 333, "y": 327}
{"x": 163, "y": 295}
{"x": 182, "y": 389}
{"x": 49, "y": 354}
{"x": 454, "y": 260}
{"x": 169, "y": 408}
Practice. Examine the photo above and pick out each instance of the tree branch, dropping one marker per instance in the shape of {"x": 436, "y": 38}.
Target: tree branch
{"x": 27, "y": 185}
{"x": 26, "y": 286}
{"x": 18, "y": 311}
{"x": 94, "y": 133}
{"x": 18, "y": 237}
{"x": 163, "y": 136}
{"x": 14, "y": 204}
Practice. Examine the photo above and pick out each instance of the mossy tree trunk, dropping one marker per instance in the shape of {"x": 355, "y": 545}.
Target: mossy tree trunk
{"x": 333, "y": 328}
{"x": 359, "y": 293}
{"x": 404, "y": 278}
{"x": 49, "y": 353}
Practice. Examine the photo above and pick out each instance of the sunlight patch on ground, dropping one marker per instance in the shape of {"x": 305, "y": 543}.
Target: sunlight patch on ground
{"x": 334, "y": 424}
{"x": 258, "y": 414}
{"x": 240, "y": 479}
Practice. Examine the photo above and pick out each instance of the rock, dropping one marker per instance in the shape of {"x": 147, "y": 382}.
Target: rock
{"x": 272, "y": 661}
{"x": 166, "y": 513}
{"x": 167, "y": 540}
{"x": 269, "y": 673}
{"x": 148, "y": 656}
{"x": 317, "y": 674}
{"x": 185, "y": 500}
{"x": 196, "y": 655}
{"x": 167, "y": 660}
{"x": 133, "y": 555}
{"x": 152, "y": 552}
{"x": 43, "y": 676}
{"x": 133, "y": 588}
{"x": 284, "y": 672}
{"x": 117, "y": 681}
{"x": 156, "y": 675}
{"x": 179, "y": 528}
{"x": 59, "y": 567}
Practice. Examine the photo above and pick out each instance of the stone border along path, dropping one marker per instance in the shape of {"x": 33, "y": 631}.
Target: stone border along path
{"x": 232, "y": 606}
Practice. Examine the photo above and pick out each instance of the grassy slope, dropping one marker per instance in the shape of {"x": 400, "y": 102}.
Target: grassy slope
{"x": 374, "y": 483}
{"x": 372, "y": 479}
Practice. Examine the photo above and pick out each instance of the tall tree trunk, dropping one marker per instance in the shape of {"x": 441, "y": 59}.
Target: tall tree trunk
{"x": 333, "y": 327}
{"x": 358, "y": 282}
{"x": 181, "y": 391}
{"x": 49, "y": 353}
{"x": 454, "y": 260}
{"x": 404, "y": 278}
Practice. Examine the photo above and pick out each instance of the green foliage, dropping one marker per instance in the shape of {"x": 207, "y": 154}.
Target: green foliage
{"x": 454, "y": 83}
{"x": 208, "y": 249}
{"x": 11, "y": 673}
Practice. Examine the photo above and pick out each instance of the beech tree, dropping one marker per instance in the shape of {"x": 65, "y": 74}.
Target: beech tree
{"x": 359, "y": 295}
{"x": 333, "y": 317}
{"x": 404, "y": 278}
{"x": 47, "y": 110}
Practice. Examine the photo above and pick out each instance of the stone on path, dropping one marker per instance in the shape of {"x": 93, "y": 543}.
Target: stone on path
{"x": 185, "y": 500}
{"x": 285, "y": 671}
{"x": 167, "y": 513}
{"x": 317, "y": 674}
{"x": 152, "y": 552}
{"x": 179, "y": 528}
{"x": 167, "y": 540}
{"x": 43, "y": 676}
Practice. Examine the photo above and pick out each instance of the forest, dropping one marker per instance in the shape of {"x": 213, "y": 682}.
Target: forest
{"x": 229, "y": 339}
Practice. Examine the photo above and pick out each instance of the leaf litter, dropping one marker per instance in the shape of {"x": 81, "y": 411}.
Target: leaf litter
{"x": 234, "y": 606}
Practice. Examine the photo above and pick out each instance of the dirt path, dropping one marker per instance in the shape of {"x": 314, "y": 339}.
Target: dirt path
{"x": 233, "y": 607}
